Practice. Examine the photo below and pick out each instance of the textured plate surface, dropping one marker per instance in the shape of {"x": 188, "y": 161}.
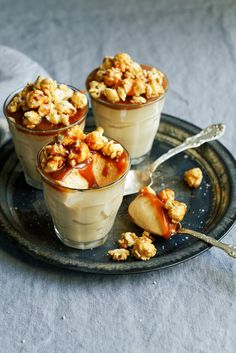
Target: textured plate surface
{"x": 211, "y": 208}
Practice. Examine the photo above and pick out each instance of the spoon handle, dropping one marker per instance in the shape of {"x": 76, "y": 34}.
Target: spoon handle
{"x": 210, "y": 133}
{"x": 229, "y": 249}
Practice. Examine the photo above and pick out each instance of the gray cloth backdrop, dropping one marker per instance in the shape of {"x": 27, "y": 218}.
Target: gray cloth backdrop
{"x": 187, "y": 308}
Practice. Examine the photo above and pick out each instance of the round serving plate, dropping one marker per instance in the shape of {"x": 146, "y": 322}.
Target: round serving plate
{"x": 211, "y": 208}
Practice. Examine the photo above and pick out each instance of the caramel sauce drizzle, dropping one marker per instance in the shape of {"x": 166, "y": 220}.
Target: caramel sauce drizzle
{"x": 168, "y": 228}
{"x": 86, "y": 169}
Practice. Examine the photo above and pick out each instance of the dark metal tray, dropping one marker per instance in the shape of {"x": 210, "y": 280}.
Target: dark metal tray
{"x": 211, "y": 208}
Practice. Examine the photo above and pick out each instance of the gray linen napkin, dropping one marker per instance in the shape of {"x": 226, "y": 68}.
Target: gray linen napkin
{"x": 16, "y": 69}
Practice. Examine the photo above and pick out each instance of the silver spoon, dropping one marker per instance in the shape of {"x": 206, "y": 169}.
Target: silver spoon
{"x": 229, "y": 249}
{"x": 137, "y": 179}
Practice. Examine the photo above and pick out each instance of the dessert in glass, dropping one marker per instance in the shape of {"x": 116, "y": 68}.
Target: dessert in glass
{"x": 38, "y": 112}
{"x": 127, "y": 100}
{"x": 83, "y": 180}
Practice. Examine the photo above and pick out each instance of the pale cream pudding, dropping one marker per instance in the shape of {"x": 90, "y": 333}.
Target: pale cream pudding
{"x": 127, "y": 100}
{"x": 36, "y": 114}
{"x": 83, "y": 178}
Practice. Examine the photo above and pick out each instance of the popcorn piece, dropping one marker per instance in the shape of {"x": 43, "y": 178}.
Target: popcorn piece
{"x": 53, "y": 117}
{"x": 122, "y": 93}
{"x": 112, "y": 77}
{"x": 127, "y": 84}
{"x": 54, "y": 163}
{"x": 127, "y": 240}
{"x": 122, "y": 61}
{"x": 147, "y": 236}
{"x": 65, "y": 107}
{"x": 78, "y": 154}
{"x": 15, "y": 104}
{"x": 96, "y": 88}
{"x": 119, "y": 254}
{"x": 79, "y": 100}
{"x": 193, "y": 177}
{"x": 157, "y": 89}
{"x": 143, "y": 249}
{"x": 76, "y": 133}
{"x": 112, "y": 149}
{"x": 176, "y": 210}
{"x": 138, "y": 100}
{"x": 166, "y": 194}
{"x": 95, "y": 140}
{"x": 45, "y": 109}
{"x": 136, "y": 70}
{"x": 31, "y": 119}
{"x": 111, "y": 95}
{"x": 139, "y": 87}
{"x": 35, "y": 98}
{"x": 148, "y": 90}
{"x": 100, "y": 74}
{"x": 107, "y": 62}
{"x": 48, "y": 86}
{"x": 62, "y": 93}
{"x": 56, "y": 149}
{"x": 29, "y": 87}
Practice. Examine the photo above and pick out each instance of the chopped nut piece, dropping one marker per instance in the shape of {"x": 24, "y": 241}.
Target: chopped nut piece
{"x": 127, "y": 240}
{"x": 119, "y": 254}
{"x": 95, "y": 140}
{"x": 143, "y": 249}
{"x": 31, "y": 119}
{"x": 176, "y": 210}
{"x": 166, "y": 194}
{"x": 112, "y": 149}
{"x": 193, "y": 177}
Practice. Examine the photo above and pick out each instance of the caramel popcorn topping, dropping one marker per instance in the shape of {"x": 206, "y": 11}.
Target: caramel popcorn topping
{"x": 120, "y": 79}
{"x": 75, "y": 149}
{"x": 119, "y": 254}
{"x": 143, "y": 249}
{"x": 176, "y": 210}
{"x": 127, "y": 240}
{"x": 44, "y": 103}
{"x": 193, "y": 177}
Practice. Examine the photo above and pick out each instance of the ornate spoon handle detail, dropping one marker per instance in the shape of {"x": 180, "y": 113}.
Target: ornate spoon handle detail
{"x": 229, "y": 249}
{"x": 210, "y": 133}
